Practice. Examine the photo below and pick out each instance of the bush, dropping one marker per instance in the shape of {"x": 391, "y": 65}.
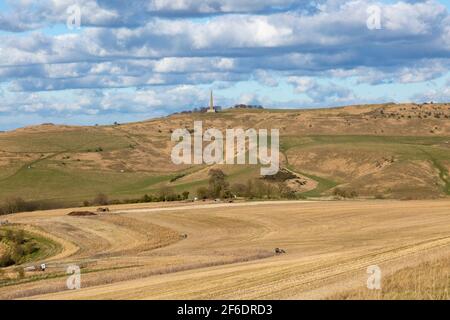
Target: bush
{"x": 100, "y": 200}
{"x": 12, "y": 205}
{"x": 239, "y": 189}
{"x": 249, "y": 192}
{"x": 167, "y": 194}
{"x": 202, "y": 193}
{"x": 6, "y": 260}
{"x": 17, "y": 252}
{"x": 173, "y": 197}
{"x": 115, "y": 201}
{"x": 289, "y": 195}
{"x": 147, "y": 198}
{"x": 345, "y": 193}
{"x": 30, "y": 248}
{"x": 177, "y": 177}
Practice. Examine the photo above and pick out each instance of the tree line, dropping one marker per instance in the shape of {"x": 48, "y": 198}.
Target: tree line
{"x": 256, "y": 188}
{"x": 218, "y": 187}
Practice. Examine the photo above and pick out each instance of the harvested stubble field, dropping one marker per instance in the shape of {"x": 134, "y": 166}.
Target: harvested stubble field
{"x": 208, "y": 251}
{"x": 428, "y": 281}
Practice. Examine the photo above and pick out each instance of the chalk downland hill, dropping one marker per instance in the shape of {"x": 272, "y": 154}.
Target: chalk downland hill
{"x": 386, "y": 151}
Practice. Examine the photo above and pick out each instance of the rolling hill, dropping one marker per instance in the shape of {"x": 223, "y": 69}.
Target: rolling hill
{"x": 385, "y": 151}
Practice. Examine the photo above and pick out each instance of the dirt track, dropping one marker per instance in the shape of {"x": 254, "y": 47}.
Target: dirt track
{"x": 228, "y": 252}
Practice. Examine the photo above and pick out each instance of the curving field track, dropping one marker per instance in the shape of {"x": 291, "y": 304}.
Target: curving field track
{"x": 139, "y": 253}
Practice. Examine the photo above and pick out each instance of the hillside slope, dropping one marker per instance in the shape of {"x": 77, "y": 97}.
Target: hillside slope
{"x": 391, "y": 150}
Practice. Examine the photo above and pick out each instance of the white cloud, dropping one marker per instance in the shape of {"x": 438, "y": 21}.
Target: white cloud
{"x": 329, "y": 92}
{"x": 266, "y": 78}
{"x": 152, "y": 51}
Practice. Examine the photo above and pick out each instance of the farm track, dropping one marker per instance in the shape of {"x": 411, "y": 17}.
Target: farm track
{"x": 228, "y": 252}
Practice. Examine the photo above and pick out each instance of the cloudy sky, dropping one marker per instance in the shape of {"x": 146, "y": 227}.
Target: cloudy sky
{"x": 132, "y": 60}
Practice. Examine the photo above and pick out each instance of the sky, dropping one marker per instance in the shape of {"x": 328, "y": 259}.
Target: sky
{"x": 100, "y": 61}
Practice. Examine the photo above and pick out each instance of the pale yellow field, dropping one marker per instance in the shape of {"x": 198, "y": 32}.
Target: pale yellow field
{"x": 139, "y": 253}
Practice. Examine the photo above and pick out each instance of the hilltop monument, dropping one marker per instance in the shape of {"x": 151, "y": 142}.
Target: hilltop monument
{"x": 211, "y": 104}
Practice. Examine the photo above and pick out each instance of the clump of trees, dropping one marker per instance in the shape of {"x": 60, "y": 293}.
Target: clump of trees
{"x": 345, "y": 193}
{"x": 164, "y": 194}
{"x": 199, "y": 110}
{"x": 217, "y": 188}
{"x": 247, "y": 106}
{"x": 100, "y": 199}
{"x": 18, "y": 247}
{"x": 179, "y": 176}
{"x": 257, "y": 188}
{"x": 18, "y": 204}
{"x": 220, "y": 108}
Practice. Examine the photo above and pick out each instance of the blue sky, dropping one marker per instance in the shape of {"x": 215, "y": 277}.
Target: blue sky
{"x": 134, "y": 60}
